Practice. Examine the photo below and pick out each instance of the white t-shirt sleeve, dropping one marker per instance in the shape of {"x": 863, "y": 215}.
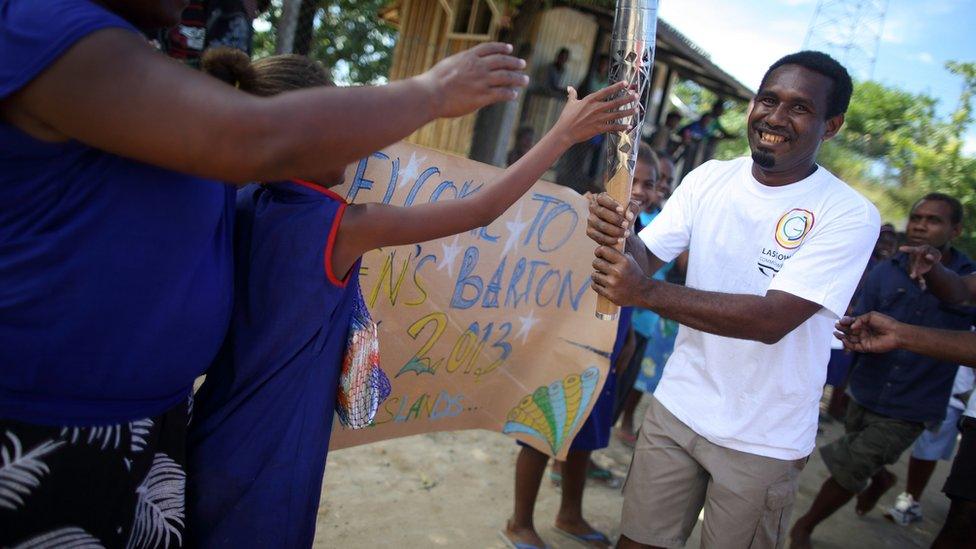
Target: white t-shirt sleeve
{"x": 826, "y": 269}
{"x": 669, "y": 233}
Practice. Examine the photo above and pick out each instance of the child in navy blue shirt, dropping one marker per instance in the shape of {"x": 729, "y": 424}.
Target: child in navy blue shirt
{"x": 260, "y": 434}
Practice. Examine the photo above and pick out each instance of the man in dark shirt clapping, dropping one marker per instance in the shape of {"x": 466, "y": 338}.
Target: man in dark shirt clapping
{"x": 894, "y": 394}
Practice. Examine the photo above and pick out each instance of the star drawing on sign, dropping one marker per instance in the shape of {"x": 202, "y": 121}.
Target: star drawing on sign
{"x": 528, "y": 322}
{"x": 450, "y": 255}
{"x": 412, "y": 170}
{"x": 515, "y": 229}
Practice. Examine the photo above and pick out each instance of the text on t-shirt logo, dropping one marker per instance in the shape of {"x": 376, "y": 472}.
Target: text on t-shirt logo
{"x": 771, "y": 261}
{"x": 790, "y": 231}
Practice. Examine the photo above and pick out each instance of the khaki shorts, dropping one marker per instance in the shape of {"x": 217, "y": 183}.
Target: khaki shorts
{"x": 675, "y": 473}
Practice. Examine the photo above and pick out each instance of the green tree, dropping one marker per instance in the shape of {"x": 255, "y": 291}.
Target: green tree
{"x": 349, "y": 36}
{"x": 939, "y": 163}
{"x": 895, "y": 148}
{"x": 345, "y": 35}
{"x": 880, "y": 115}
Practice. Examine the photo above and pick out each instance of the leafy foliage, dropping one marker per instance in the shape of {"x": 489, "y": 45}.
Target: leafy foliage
{"x": 896, "y": 148}
{"x": 345, "y": 35}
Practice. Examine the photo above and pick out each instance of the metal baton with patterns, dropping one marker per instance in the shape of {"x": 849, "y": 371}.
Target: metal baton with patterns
{"x": 631, "y": 60}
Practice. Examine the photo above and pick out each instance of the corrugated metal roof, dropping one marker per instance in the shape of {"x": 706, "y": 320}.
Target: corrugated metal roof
{"x": 673, "y": 48}
{"x": 694, "y": 63}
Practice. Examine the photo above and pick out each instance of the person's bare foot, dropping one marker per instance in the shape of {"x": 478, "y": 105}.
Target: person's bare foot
{"x": 519, "y": 534}
{"x": 869, "y": 497}
{"x": 579, "y": 527}
{"x": 800, "y": 537}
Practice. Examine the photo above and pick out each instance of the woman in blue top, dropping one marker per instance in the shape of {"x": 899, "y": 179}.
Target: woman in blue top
{"x": 115, "y": 246}
{"x": 263, "y": 417}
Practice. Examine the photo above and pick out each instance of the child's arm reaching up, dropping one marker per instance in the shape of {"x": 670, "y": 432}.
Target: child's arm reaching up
{"x": 369, "y": 226}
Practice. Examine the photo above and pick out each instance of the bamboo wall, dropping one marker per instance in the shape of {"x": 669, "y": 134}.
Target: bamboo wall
{"x": 555, "y": 29}
{"x": 431, "y": 30}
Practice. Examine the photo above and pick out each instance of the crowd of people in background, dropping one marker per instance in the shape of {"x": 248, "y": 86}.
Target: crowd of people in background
{"x": 686, "y": 145}
{"x": 899, "y": 399}
{"x": 733, "y": 394}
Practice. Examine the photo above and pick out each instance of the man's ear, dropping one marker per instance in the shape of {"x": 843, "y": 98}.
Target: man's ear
{"x": 956, "y": 231}
{"x": 834, "y": 124}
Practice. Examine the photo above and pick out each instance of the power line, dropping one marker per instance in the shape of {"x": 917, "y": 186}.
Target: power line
{"x": 849, "y": 30}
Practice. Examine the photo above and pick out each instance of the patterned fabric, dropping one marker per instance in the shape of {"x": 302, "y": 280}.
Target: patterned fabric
{"x": 119, "y": 485}
{"x": 363, "y": 385}
{"x": 660, "y": 332}
{"x": 660, "y": 345}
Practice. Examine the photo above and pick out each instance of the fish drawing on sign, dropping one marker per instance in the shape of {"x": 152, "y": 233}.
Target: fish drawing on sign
{"x": 552, "y": 412}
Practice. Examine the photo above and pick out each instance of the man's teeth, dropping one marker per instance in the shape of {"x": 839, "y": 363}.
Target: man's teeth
{"x": 770, "y": 138}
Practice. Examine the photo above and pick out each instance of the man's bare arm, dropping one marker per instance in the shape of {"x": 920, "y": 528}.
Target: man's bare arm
{"x": 145, "y": 106}
{"x": 948, "y": 286}
{"x": 877, "y": 333}
{"x": 759, "y": 318}
{"x": 925, "y": 266}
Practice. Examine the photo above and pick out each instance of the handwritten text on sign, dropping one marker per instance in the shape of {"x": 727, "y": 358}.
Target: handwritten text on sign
{"x": 490, "y": 329}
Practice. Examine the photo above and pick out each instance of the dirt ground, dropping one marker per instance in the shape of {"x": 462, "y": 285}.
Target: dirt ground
{"x": 455, "y": 490}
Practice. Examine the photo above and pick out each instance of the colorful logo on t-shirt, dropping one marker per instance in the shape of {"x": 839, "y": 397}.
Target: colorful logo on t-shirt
{"x": 793, "y": 227}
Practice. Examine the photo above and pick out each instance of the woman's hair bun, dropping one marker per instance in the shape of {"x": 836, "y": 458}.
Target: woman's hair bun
{"x": 230, "y": 65}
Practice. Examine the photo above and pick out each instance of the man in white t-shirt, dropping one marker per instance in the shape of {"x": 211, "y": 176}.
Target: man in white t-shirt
{"x": 777, "y": 246}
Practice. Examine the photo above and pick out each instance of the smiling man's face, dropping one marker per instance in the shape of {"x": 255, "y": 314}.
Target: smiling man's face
{"x": 787, "y": 122}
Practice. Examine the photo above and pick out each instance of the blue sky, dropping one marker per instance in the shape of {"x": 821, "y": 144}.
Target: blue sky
{"x": 745, "y": 36}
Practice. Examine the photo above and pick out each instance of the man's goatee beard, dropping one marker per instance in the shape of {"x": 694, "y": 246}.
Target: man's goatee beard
{"x": 764, "y": 159}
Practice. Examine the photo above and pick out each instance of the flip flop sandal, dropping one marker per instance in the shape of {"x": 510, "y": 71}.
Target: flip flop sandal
{"x": 585, "y": 539}
{"x": 598, "y": 473}
{"x": 512, "y": 544}
{"x": 556, "y": 479}
{"x": 603, "y": 475}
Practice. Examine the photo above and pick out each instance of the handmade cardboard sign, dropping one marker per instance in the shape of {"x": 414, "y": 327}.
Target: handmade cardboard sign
{"x": 490, "y": 329}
